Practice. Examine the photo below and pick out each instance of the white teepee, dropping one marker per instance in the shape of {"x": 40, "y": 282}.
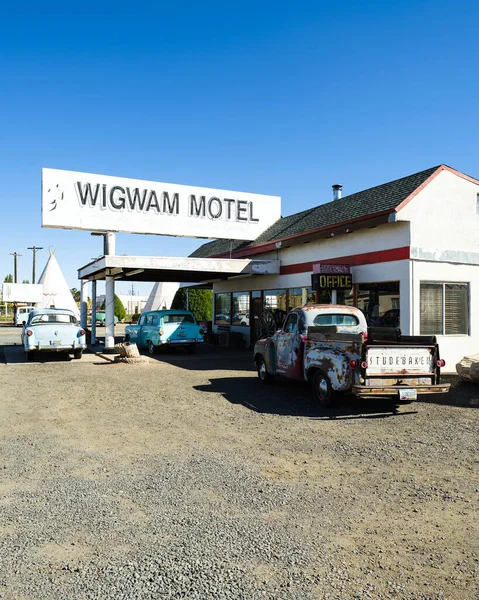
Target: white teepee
{"x": 161, "y": 296}
{"x": 56, "y": 293}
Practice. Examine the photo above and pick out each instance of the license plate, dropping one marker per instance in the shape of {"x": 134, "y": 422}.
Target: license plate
{"x": 56, "y": 342}
{"x": 407, "y": 394}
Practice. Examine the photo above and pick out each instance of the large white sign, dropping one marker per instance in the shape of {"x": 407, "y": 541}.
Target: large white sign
{"x": 22, "y": 292}
{"x": 74, "y": 200}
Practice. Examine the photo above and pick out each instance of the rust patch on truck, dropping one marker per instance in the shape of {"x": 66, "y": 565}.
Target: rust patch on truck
{"x": 333, "y": 358}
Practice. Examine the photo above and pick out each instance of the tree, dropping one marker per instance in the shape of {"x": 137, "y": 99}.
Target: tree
{"x": 75, "y": 294}
{"x": 120, "y": 311}
{"x": 199, "y": 302}
{"x": 25, "y": 281}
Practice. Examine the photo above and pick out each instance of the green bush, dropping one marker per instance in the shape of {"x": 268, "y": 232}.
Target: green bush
{"x": 200, "y": 302}
{"x": 120, "y": 311}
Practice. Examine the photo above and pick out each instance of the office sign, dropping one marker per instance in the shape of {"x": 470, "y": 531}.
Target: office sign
{"x": 72, "y": 200}
{"x": 331, "y": 282}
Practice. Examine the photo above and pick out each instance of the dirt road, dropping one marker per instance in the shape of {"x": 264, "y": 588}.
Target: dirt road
{"x": 185, "y": 478}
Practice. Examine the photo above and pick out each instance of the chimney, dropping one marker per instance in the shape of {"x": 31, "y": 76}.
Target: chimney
{"x": 337, "y": 191}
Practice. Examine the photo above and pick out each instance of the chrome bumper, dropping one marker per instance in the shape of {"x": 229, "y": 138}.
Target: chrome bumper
{"x": 393, "y": 390}
{"x": 62, "y": 348}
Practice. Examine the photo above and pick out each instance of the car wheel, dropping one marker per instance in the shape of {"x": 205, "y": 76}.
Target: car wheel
{"x": 77, "y": 354}
{"x": 151, "y": 347}
{"x": 263, "y": 374}
{"x": 322, "y": 390}
{"x": 29, "y": 356}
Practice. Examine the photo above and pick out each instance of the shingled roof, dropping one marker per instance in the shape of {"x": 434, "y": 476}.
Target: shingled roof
{"x": 362, "y": 204}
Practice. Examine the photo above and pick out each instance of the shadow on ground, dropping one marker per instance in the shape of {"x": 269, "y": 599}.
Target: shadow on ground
{"x": 206, "y": 358}
{"x": 290, "y": 398}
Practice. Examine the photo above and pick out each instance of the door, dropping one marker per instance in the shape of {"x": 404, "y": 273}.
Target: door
{"x": 134, "y": 330}
{"x": 289, "y": 354}
{"x": 146, "y": 330}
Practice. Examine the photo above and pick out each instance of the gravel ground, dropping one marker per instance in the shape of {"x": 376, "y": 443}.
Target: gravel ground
{"x": 174, "y": 479}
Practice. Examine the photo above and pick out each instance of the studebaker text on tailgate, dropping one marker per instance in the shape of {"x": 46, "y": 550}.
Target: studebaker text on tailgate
{"x": 390, "y": 360}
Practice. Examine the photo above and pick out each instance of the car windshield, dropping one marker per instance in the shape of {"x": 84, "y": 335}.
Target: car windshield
{"x": 53, "y": 318}
{"x": 178, "y": 319}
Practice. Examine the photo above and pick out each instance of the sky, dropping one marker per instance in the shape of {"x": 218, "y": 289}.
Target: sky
{"x": 273, "y": 98}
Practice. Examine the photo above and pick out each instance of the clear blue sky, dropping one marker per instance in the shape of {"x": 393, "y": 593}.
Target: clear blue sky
{"x": 268, "y": 97}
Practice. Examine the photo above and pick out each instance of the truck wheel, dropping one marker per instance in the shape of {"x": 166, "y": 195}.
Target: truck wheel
{"x": 322, "y": 390}
{"x": 263, "y": 374}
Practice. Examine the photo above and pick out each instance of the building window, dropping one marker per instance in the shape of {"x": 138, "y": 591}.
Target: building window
{"x": 295, "y": 298}
{"x": 240, "y": 309}
{"x": 275, "y": 299}
{"x": 444, "y": 308}
{"x": 379, "y": 302}
{"x": 222, "y": 309}
{"x": 345, "y": 297}
{"x": 311, "y": 296}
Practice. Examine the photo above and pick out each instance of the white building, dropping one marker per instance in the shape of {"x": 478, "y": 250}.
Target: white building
{"x": 133, "y": 304}
{"x": 412, "y": 246}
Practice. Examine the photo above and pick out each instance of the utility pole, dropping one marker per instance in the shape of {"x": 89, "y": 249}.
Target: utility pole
{"x": 15, "y": 273}
{"x": 15, "y": 256}
{"x": 34, "y": 248}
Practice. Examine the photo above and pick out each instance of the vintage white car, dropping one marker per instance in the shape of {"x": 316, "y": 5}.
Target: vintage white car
{"x": 53, "y": 330}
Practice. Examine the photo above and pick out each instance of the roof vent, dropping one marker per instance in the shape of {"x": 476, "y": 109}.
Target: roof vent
{"x": 337, "y": 188}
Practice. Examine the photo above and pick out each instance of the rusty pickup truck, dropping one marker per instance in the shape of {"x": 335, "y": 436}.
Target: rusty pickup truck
{"x": 332, "y": 347}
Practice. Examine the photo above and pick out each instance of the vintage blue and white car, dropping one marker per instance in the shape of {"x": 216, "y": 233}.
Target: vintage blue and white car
{"x": 162, "y": 328}
{"x": 53, "y": 330}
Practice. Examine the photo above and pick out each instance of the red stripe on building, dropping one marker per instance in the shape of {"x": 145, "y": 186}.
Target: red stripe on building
{"x": 368, "y": 258}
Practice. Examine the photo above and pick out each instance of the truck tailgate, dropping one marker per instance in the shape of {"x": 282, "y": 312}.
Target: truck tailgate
{"x": 400, "y": 370}
{"x": 385, "y": 360}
